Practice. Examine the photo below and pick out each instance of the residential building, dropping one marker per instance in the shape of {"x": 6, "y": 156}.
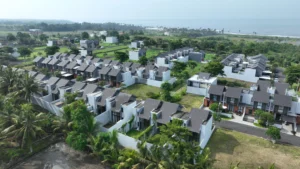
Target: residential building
{"x": 137, "y": 53}
{"x": 63, "y": 65}
{"x": 104, "y": 33}
{"x": 52, "y": 43}
{"x": 45, "y": 63}
{"x": 199, "y": 84}
{"x": 197, "y": 56}
{"x": 111, "y": 39}
{"x": 87, "y": 47}
{"x": 38, "y": 61}
{"x": 35, "y": 32}
{"x": 70, "y": 68}
{"x": 178, "y": 55}
{"x": 136, "y": 44}
{"x": 52, "y": 65}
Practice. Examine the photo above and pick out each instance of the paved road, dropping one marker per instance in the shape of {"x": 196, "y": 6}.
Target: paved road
{"x": 285, "y": 138}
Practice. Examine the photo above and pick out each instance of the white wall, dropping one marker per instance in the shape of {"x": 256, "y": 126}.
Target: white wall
{"x": 166, "y": 75}
{"x": 246, "y": 98}
{"x": 128, "y": 79}
{"x": 111, "y": 39}
{"x": 103, "y": 118}
{"x": 92, "y": 100}
{"x": 47, "y": 105}
{"x": 248, "y": 75}
{"x": 83, "y": 53}
{"x": 197, "y": 91}
{"x": 206, "y": 132}
{"x": 154, "y": 83}
{"x": 134, "y": 55}
{"x": 161, "y": 62}
{"x": 295, "y": 109}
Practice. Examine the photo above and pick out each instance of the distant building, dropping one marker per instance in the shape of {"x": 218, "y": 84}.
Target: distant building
{"x": 16, "y": 53}
{"x": 35, "y": 32}
{"x": 52, "y": 43}
{"x": 111, "y": 39}
{"x": 199, "y": 84}
{"x": 167, "y": 33}
{"x": 103, "y": 33}
{"x": 136, "y": 54}
{"x": 136, "y": 44}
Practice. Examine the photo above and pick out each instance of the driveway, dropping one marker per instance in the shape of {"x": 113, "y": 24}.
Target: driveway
{"x": 260, "y": 132}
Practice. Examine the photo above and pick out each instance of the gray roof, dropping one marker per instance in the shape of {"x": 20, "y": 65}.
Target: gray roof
{"x": 104, "y": 70}
{"x": 91, "y": 69}
{"x": 72, "y": 56}
{"x": 71, "y": 65}
{"x": 261, "y": 97}
{"x": 54, "y": 62}
{"x": 89, "y": 88}
{"x": 78, "y": 86}
{"x": 149, "y": 105}
{"x": 127, "y": 64}
{"x": 32, "y": 73}
{"x": 216, "y": 90}
{"x": 281, "y": 88}
{"x": 52, "y": 80}
{"x": 263, "y": 85}
{"x": 64, "y": 55}
{"x": 114, "y": 72}
{"x": 46, "y": 61}
{"x": 78, "y": 57}
{"x": 282, "y": 100}
{"x": 96, "y": 60}
{"x": 83, "y": 67}
{"x": 38, "y": 59}
{"x": 233, "y": 92}
{"x": 167, "y": 109}
{"x": 161, "y": 69}
{"x": 107, "y": 92}
{"x": 106, "y": 61}
{"x": 197, "y": 118}
{"x": 134, "y": 67}
{"x": 203, "y": 75}
{"x": 63, "y": 63}
{"x": 56, "y": 55}
{"x": 115, "y": 62}
{"x": 122, "y": 98}
{"x": 289, "y": 119}
{"x": 60, "y": 83}
{"x": 88, "y": 58}
{"x": 40, "y": 77}
{"x": 196, "y": 56}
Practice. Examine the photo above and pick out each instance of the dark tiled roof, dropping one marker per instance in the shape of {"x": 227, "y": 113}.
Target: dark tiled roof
{"x": 282, "y": 100}
{"x": 281, "y": 88}
{"x": 167, "y": 110}
{"x": 127, "y": 64}
{"x": 46, "y": 61}
{"x": 71, "y": 65}
{"x": 149, "y": 105}
{"x": 195, "y": 56}
{"x": 161, "y": 69}
{"x": 233, "y": 92}
{"x": 106, "y": 61}
{"x": 197, "y": 117}
{"x": 96, "y": 60}
{"x": 121, "y": 98}
{"x": 38, "y": 59}
{"x": 60, "y": 83}
{"x": 40, "y": 77}
{"x": 54, "y": 62}
{"x": 72, "y": 56}
{"x": 52, "y": 80}
{"x": 32, "y": 73}
{"x": 63, "y": 63}
{"x": 106, "y": 94}
{"x": 78, "y": 86}
{"x": 263, "y": 85}
{"x": 261, "y": 97}
{"x": 104, "y": 70}
{"x": 88, "y": 57}
{"x": 203, "y": 75}
{"x": 91, "y": 69}
{"x": 115, "y": 62}
{"x": 89, "y": 88}
{"x": 114, "y": 72}
{"x": 83, "y": 67}
{"x": 216, "y": 90}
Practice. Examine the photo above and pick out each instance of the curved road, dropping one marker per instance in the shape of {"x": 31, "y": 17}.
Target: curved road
{"x": 260, "y": 132}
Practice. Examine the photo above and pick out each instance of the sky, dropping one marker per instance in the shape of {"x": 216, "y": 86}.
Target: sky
{"x": 116, "y": 10}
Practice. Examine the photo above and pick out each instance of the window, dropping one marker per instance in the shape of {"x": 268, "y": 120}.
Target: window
{"x": 259, "y": 105}
{"x": 231, "y": 100}
{"x": 215, "y": 97}
{"x": 280, "y": 109}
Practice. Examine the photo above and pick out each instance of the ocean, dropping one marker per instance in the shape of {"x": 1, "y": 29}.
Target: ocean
{"x": 270, "y": 27}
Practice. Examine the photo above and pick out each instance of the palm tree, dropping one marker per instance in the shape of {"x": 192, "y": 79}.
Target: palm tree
{"x": 26, "y": 127}
{"x": 26, "y": 87}
{"x": 7, "y": 80}
{"x": 7, "y": 112}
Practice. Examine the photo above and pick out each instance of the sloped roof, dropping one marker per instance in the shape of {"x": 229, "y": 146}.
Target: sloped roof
{"x": 40, "y": 77}
{"x": 261, "y": 97}
{"x": 96, "y": 60}
{"x": 38, "y": 59}
{"x": 203, "y": 75}
{"x": 72, "y": 56}
{"x": 83, "y": 67}
{"x": 167, "y": 109}
{"x": 197, "y": 117}
{"x": 282, "y": 100}
{"x": 78, "y": 57}
{"x": 78, "y": 86}
{"x": 89, "y": 88}
{"x": 56, "y": 55}
{"x": 32, "y": 73}
{"x": 106, "y": 61}
{"x": 121, "y": 98}
{"x": 46, "y": 61}
{"x": 263, "y": 85}
{"x": 91, "y": 69}
{"x": 216, "y": 90}
{"x": 107, "y": 92}
{"x": 63, "y": 63}
{"x": 127, "y": 64}
{"x": 233, "y": 92}
{"x": 52, "y": 80}
{"x": 104, "y": 70}
{"x": 71, "y": 65}
{"x": 281, "y": 88}
{"x": 114, "y": 72}
{"x": 161, "y": 69}
{"x": 89, "y": 57}
{"x": 60, "y": 83}
{"x": 53, "y": 61}
{"x": 115, "y": 62}
{"x": 149, "y": 105}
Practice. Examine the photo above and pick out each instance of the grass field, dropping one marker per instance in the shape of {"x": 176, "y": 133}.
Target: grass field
{"x": 153, "y": 53}
{"x": 140, "y": 90}
{"x": 190, "y": 101}
{"x": 232, "y": 147}
{"x": 209, "y": 56}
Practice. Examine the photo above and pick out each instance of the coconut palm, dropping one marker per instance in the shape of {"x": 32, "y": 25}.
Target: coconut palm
{"x": 26, "y": 86}
{"x": 26, "y": 127}
{"x": 7, "y": 112}
{"x": 7, "y": 80}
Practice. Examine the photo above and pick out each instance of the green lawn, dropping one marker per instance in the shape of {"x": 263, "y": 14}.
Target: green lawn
{"x": 64, "y": 49}
{"x": 233, "y": 147}
{"x": 209, "y": 56}
{"x": 140, "y": 90}
{"x": 190, "y": 101}
{"x": 151, "y": 53}
{"x": 134, "y": 133}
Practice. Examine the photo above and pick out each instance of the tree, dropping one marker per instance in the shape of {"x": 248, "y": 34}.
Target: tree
{"x": 70, "y": 97}
{"x": 273, "y": 133}
{"x": 7, "y": 49}
{"x": 121, "y": 56}
{"x": 25, "y": 87}
{"x": 192, "y": 64}
{"x": 293, "y": 74}
{"x": 74, "y": 50}
{"x": 27, "y": 126}
{"x": 214, "y": 107}
{"x": 24, "y": 51}
{"x": 178, "y": 67}
{"x": 11, "y": 37}
{"x": 166, "y": 88}
{"x": 143, "y": 60}
{"x": 264, "y": 118}
{"x": 43, "y": 37}
{"x": 8, "y": 80}
{"x": 51, "y": 50}
{"x": 85, "y": 35}
{"x": 214, "y": 68}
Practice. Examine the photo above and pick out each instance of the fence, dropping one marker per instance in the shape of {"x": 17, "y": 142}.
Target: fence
{"x": 47, "y": 105}
{"x": 130, "y": 142}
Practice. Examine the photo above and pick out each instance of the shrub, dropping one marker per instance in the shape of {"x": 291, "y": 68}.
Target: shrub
{"x": 214, "y": 107}
{"x": 79, "y": 78}
{"x": 273, "y": 133}
{"x": 153, "y": 95}
{"x": 177, "y": 97}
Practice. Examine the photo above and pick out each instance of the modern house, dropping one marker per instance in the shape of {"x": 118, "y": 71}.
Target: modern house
{"x": 62, "y": 65}
{"x": 52, "y": 43}
{"x": 178, "y": 55}
{"x": 96, "y": 62}
{"x": 81, "y": 70}
{"x": 232, "y": 99}
{"x": 199, "y": 84}
{"x": 111, "y": 39}
{"x": 135, "y": 54}
{"x": 216, "y": 94}
{"x": 70, "y": 68}
{"x": 52, "y": 65}
{"x": 197, "y": 56}
{"x": 88, "y": 46}
{"x": 136, "y": 44}
{"x": 45, "y": 63}
{"x": 38, "y": 61}
{"x": 249, "y": 69}
{"x": 115, "y": 77}
{"x": 92, "y": 72}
